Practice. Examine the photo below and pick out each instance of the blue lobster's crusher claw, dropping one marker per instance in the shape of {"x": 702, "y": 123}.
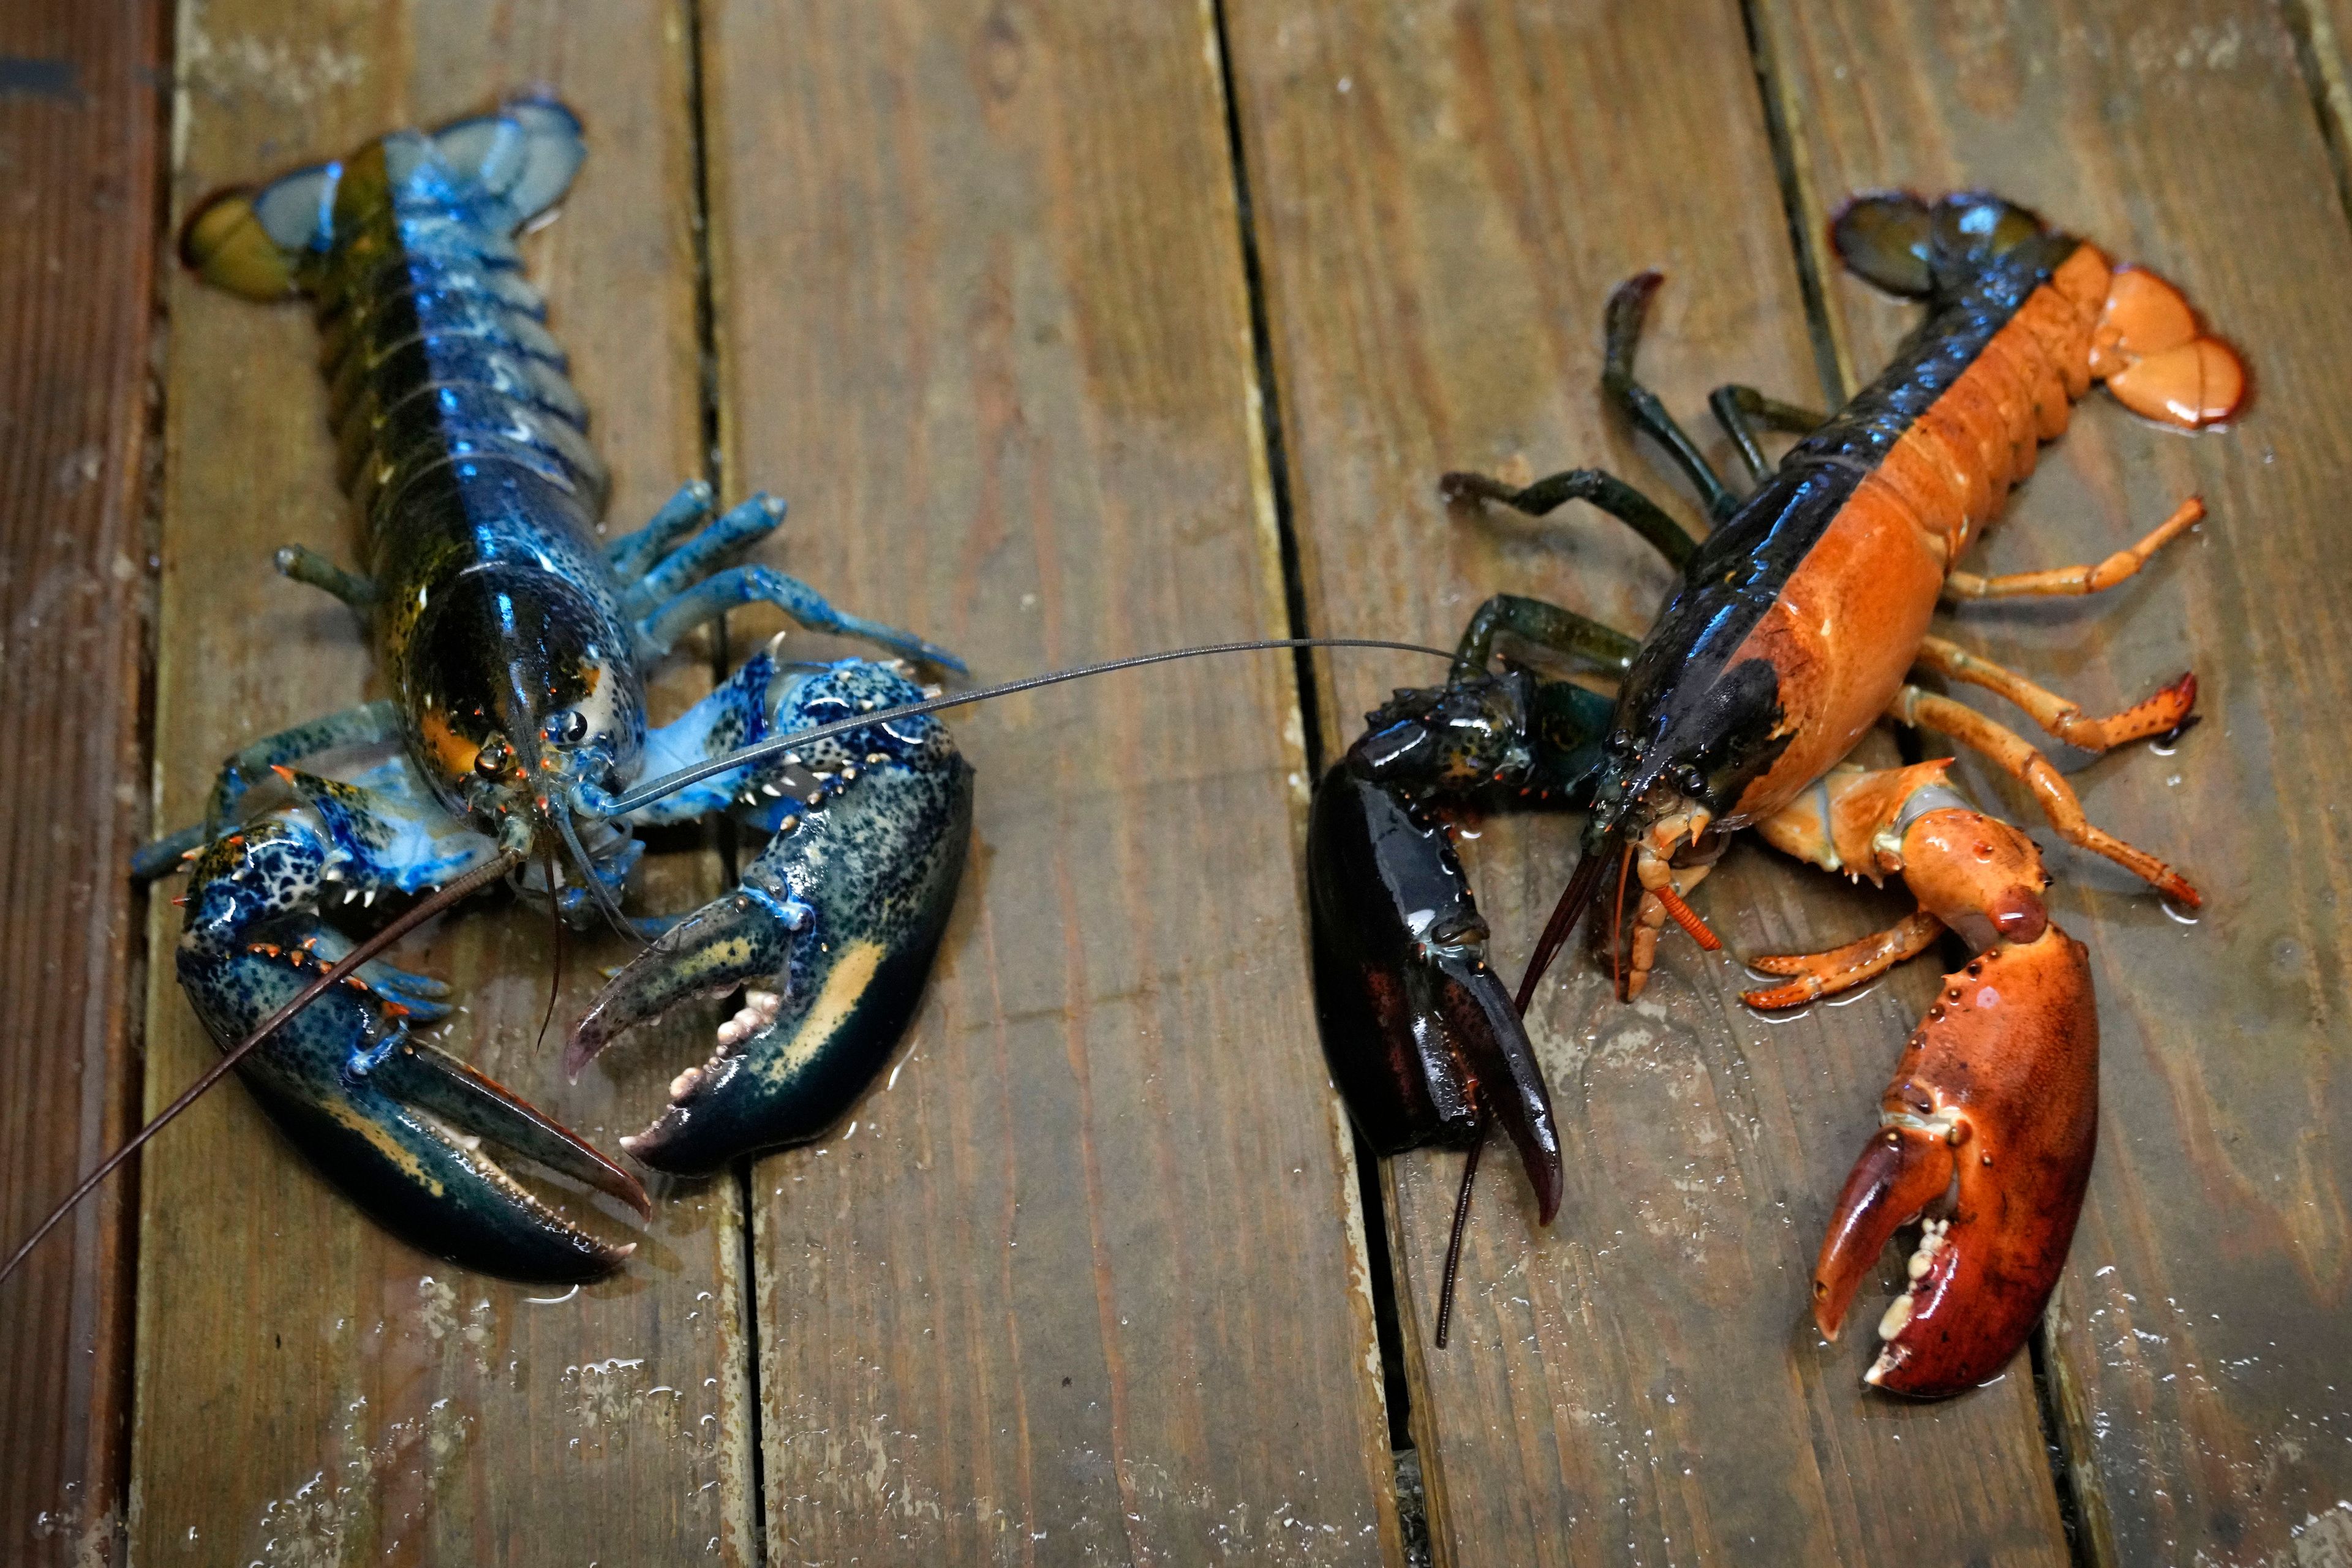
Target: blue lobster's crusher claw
{"x": 356, "y": 1093}
{"x": 1420, "y": 1032}
{"x": 831, "y": 934}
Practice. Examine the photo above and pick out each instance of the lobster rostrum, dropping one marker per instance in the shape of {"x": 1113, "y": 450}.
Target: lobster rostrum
{"x": 1798, "y": 624}
{"x": 516, "y": 644}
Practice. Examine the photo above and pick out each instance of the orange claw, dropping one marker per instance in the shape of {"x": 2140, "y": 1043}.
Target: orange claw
{"x": 1989, "y": 1124}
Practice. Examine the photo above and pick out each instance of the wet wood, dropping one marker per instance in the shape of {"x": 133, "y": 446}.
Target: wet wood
{"x": 1081, "y": 1278}
{"x": 78, "y": 138}
{"x": 1445, "y": 197}
{"x": 2201, "y": 1344}
{"x": 310, "y": 1390}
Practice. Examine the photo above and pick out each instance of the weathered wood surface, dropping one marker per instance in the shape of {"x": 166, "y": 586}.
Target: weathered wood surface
{"x": 1080, "y": 1280}
{"x": 1084, "y": 1278}
{"x": 1444, "y": 197}
{"x": 309, "y": 1390}
{"x": 78, "y": 133}
{"x": 2205, "y": 1336}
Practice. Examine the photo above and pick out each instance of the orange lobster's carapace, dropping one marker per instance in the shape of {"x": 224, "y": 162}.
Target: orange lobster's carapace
{"x": 1799, "y": 622}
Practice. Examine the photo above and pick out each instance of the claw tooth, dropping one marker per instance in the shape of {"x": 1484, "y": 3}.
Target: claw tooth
{"x": 730, "y": 1031}
{"x": 683, "y": 1084}
{"x": 766, "y": 1002}
{"x": 771, "y": 791}
{"x": 367, "y": 898}
{"x": 1898, "y": 1316}
{"x": 629, "y": 1144}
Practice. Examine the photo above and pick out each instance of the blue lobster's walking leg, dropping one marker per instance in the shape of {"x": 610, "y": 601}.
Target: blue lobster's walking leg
{"x": 633, "y": 554}
{"x": 369, "y": 724}
{"x": 684, "y": 589}
{"x": 304, "y": 565}
{"x": 699, "y": 556}
{"x": 740, "y": 585}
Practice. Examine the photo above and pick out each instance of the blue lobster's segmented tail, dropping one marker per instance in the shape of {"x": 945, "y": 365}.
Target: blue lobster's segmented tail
{"x": 502, "y": 169}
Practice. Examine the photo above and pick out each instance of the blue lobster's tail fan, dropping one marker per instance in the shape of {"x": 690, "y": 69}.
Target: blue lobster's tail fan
{"x": 502, "y": 170}
{"x": 252, "y": 242}
{"x": 513, "y": 165}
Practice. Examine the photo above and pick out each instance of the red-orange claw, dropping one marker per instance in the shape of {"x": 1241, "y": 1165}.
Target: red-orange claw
{"x": 1901, "y": 1171}
{"x": 1990, "y": 1127}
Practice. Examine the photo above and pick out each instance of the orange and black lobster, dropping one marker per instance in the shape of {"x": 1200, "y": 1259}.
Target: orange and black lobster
{"x": 1798, "y": 624}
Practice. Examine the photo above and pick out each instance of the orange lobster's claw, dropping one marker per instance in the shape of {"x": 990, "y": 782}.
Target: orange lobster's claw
{"x": 1990, "y": 1121}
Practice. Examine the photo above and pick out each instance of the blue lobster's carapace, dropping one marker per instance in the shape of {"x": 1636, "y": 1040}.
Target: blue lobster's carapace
{"x": 1797, "y": 625}
{"x": 515, "y": 645}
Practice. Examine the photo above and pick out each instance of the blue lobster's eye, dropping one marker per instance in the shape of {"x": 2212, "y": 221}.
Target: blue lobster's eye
{"x": 568, "y": 728}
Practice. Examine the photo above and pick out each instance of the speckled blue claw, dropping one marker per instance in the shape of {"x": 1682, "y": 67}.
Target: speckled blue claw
{"x": 832, "y": 934}
{"x": 386, "y": 1118}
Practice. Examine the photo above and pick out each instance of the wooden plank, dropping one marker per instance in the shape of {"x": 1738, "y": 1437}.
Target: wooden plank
{"x": 79, "y": 136}
{"x": 1445, "y": 197}
{"x": 2201, "y": 1347}
{"x": 1081, "y": 1280}
{"x": 310, "y": 1390}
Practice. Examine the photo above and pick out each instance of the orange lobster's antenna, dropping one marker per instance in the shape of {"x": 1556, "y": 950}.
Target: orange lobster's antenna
{"x": 464, "y": 887}
{"x": 1687, "y": 917}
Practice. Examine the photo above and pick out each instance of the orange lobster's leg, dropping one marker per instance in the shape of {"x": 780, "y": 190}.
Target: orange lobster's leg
{"x": 2006, "y": 750}
{"x": 2086, "y": 579}
{"x": 1841, "y": 969}
{"x": 2167, "y": 710}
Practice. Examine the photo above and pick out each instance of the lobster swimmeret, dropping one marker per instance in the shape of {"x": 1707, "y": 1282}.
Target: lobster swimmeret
{"x": 515, "y": 645}
{"x": 1797, "y": 624}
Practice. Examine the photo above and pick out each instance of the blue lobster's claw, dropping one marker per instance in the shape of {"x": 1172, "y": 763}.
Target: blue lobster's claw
{"x": 386, "y": 1118}
{"x": 833, "y": 930}
{"x": 1420, "y": 1032}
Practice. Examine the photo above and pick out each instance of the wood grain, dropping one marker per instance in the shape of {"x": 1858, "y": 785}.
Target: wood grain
{"x": 1081, "y": 1279}
{"x": 79, "y": 128}
{"x": 1444, "y": 195}
{"x": 309, "y": 1390}
{"x": 2203, "y": 1337}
